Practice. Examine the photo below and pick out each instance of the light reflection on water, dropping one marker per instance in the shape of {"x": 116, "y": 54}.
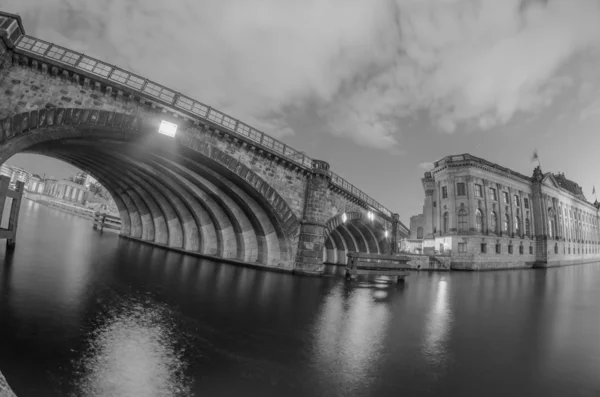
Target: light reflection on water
{"x": 132, "y": 354}
{"x": 438, "y": 321}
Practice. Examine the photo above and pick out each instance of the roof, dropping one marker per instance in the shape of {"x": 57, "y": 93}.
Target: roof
{"x": 469, "y": 158}
{"x": 569, "y": 185}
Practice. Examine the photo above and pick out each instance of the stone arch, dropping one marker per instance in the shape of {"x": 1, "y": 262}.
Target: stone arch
{"x": 353, "y": 231}
{"x": 185, "y": 194}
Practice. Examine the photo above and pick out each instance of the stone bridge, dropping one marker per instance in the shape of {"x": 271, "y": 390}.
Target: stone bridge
{"x": 219, "y": 188}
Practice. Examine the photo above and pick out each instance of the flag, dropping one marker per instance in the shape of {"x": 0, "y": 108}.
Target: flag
{"x": 535, "y": 156}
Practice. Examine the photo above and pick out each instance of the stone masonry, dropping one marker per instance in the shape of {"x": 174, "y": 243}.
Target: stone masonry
{"x": 224, "y": 191}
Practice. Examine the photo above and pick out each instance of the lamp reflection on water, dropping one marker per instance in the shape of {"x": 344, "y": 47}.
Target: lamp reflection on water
{"x": 133, "y": 355}
{"x": 350, "y": 334}
{"x": 438, "y": 323}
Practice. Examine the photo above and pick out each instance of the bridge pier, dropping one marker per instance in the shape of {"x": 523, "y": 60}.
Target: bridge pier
{"x": 311, "y": 241}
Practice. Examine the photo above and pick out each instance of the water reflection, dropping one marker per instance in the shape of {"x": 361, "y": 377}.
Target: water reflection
{"x": 350, "y": 333}
{"x": 115, "y": 317}
{"x": 133, "y": 354}
{"x": 438, "y": 322}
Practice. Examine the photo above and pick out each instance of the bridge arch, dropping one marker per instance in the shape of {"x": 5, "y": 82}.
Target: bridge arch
{"x": 353, "y": 232}
{"x": 181, "y": 193}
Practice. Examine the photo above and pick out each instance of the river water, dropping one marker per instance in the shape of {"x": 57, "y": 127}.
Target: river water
{"x": 84, "y": 314}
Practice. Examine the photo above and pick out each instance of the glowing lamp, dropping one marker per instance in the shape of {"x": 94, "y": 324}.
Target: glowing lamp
{"x": 386, "y": 234}
{"x": 370, "y": 215}
{"x": 344, "y": 217}
{"x": 168, "y": 129}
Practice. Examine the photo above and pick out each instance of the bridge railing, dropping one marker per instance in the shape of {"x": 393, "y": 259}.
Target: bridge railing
{"x": 88, "y": 66}
{"x": 344, "y": 184}
{"x": 120, "y": 77}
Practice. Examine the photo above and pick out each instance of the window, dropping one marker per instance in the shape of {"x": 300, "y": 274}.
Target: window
{"x": 462, "y": 220}
{"x": 531, "y": 250}
{"x": 479, "y": 221}
{"x": 493, "y": 222}
{"x": 510, "y": 248}
{"x": 498, "y": 248}
{"x": 483, "y": 248}
{"x": 551, "y": 228}
{"x": 505, "y": 196}
{"x": 460, "y": 189}
{"x": 516, "y": 200}
{"x": 493, "y": 194}
{"x": 434, "y": 204}
{"x": 527, "y": 226}
{"x": 526, "y": 203}
{"x": 517, "y": 225}
{"x": 478, "y": 191}
{"x": 446, "y": 220}
{"x": 462, "y": 247}
{"x": 419, "y": 233}
{"x": 556, "y": 248}
{"x": 520, "y": 250}
{"x": 444, "y": 191}
{"x": 506, "y": 222}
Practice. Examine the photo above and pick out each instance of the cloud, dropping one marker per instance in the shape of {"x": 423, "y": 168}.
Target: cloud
{"x": 366, "y": 65}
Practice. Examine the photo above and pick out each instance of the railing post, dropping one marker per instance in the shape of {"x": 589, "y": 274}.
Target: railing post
{"x": 4, "y": 182}
{"x": 394, "y": 242}
{"x": 13, "y": 221}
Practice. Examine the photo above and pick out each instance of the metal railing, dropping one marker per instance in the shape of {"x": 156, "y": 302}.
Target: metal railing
{"x": 75, "y": 61}
{"x": 344, "y": 184}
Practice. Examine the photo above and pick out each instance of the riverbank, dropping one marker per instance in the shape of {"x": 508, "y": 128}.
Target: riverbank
{"x": 82, "y": 212}
{"x": 5, "y": 390}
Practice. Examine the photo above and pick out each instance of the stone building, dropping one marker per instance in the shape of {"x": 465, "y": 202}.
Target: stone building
{"x": 486, "y": 216}
{"x": 35, "y": 184}
{"x": 66, "y": 190}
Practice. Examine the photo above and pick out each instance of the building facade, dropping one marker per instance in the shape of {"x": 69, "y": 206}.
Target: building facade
{"x": 15, "y": 174}
{"x": 486, "y": 216}
{"x": 66, "y": 190}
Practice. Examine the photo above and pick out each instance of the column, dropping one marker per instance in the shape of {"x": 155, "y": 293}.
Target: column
{"x": 440, "y": 209}
{"x": 486, "y": 216}
{"x": 501, "y": 209}
{"x": 453, "y": 219}
{"x": 511, "y": 209}
{"x": 309, "y": 257}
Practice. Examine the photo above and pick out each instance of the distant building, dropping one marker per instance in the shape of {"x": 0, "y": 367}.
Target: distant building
{"x": 414, "y": 243}
{"x": 487, "y": 216}
{"x": 66, "y": 190}
{"x": 89, "y": 180}
{"x": 15, "y": 174}
{"x": 35, "y": 184}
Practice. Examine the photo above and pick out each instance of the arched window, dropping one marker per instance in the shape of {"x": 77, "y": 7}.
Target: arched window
{"x": 517, "y": 225}
{"x": 493, "y": 222}
{"x": 446, "y": 221}
{"x": 506, "y": 222}
{"x": 462, "y": 220}
{"x": 479, "y": 221}
{"x": 527, "y": 227}
{"x": 551, "y": 228}
{"x": 419, "y": 233}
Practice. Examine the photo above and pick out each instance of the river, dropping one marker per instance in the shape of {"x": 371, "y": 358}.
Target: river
{"x": 84, "y": 314}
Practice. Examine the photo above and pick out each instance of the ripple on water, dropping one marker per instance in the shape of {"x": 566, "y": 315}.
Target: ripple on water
{"x": 133, "y": 352}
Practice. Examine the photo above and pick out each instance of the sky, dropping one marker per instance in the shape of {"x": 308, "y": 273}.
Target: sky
{"x": 380, "y": 88}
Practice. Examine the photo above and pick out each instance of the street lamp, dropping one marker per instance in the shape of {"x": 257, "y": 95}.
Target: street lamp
{"x": 167, "y": 128}
{"x": 344, "y": 217}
